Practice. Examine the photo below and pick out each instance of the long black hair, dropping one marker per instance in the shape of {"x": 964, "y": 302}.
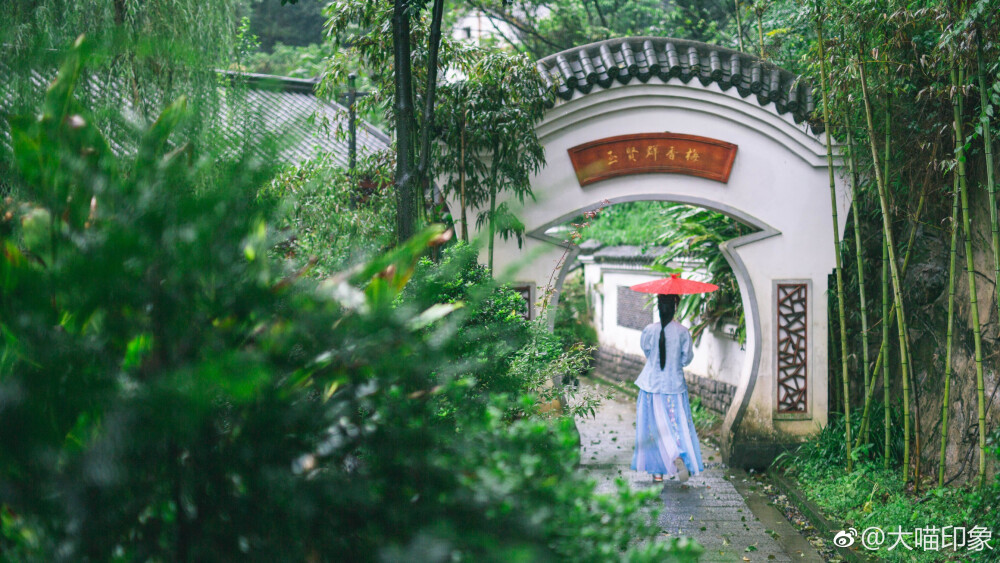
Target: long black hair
{"x": 667, "y": 304}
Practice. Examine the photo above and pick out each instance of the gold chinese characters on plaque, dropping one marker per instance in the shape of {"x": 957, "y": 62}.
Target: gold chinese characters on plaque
{"x": 645, "y": 153}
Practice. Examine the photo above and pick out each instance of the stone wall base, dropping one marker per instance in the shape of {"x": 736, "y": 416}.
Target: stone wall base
{"x": 622, "y": 367}
{"x": 715, "y": 395}
{"x": 756, "y": 455}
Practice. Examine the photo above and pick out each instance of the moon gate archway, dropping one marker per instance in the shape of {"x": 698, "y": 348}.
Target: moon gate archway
{"x": 623, "y": 108}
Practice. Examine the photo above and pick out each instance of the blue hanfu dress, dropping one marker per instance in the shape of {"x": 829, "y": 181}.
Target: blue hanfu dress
{"x": 664, "y": 428}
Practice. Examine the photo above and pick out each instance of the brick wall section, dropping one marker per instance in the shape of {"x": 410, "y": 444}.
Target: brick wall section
{"x": 715, "y": 395}
{"x": 618, "y": 366}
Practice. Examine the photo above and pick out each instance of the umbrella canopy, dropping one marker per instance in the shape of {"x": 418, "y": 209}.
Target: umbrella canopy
{"x": 674, "y": 285}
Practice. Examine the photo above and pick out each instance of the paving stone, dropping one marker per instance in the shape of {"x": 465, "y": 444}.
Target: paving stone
{"x": 707, "y": 507}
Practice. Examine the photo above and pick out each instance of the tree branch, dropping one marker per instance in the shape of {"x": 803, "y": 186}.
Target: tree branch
{"x": 432, "y": 64}
{"x": 403, "y": 106}
{"x": 522, "y": 27}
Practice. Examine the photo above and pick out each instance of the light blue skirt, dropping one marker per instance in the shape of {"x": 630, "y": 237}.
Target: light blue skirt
{"x": 664, "y": 431}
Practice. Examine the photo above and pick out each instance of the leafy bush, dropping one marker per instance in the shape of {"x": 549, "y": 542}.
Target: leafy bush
{"x": 828, "y": 446}
{"x": 690, "y": 233}
{"x": 703, "y": 418}
{"x": 491, "y": 332}
{"x": 875, "y": 496}
{"x": 695, "y": 233}
{"x": 168, "y": 391}
{"x": 333, "y": 218}
{"x": 637, "y": 223}
{"x": 574, "y": 324}
{"x": 986, "y": 504}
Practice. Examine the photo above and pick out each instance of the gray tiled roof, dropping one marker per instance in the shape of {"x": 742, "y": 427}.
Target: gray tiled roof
{"x": 290, "y": 106}
{"x": 285, "y": 107}
{"x": 599, "y": 65}
{"x": 629, "y": 253}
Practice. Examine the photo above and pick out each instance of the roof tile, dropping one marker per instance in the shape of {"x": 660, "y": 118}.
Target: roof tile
{"x": 580, "y": 69}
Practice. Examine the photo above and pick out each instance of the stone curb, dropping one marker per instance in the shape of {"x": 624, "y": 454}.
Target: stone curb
{"x": 612, "y": 384}
{"x": 815, "y": 515}
{"x": 787, "y": 536}
{"x": 613, "y": 365}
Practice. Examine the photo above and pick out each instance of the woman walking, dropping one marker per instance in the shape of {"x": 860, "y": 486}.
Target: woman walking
{"x": 666, "y": 442}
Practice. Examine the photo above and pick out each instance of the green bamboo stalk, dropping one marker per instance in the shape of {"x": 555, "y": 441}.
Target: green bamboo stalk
{"x": 897, "y": 289}
{"x": 461, "y": 179}
{"x": 492, "y": 226}
{"x": 991, "y": 186}
{"x": 836, "y": 238}
{"x": 886, "y": 326}
{"x": 963, "y": 188}
{"x": 760, "y": 29}
{"x": 883, "y": 350}
{"x": 916, "y": 426}
{"x": 739, "y": 25}
{"x": 950, "y": 337}
{"x": 861, "y": 272}
{"x": 888, "y": 131}
{"x": 890, "y": 318}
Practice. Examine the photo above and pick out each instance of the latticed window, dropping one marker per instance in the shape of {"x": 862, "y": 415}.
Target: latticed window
{"x": 632, "y": 310}
{"x": 792, "y": 347}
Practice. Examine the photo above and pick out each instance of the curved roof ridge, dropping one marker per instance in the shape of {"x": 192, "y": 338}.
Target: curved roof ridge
{"x": 624, "y": 59}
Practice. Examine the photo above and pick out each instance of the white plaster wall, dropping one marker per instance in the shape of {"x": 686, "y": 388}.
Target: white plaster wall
{"x": 595, "y": 293}
{"x": 609, "y": 333}
{"x": 778, "y": 182}
{"x": 717, "y": 355}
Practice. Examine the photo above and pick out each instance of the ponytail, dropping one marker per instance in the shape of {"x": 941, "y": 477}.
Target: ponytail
{"x": 667, "y": 304}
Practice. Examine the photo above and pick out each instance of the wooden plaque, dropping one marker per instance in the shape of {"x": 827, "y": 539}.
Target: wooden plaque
{"x": 645, "y": 153}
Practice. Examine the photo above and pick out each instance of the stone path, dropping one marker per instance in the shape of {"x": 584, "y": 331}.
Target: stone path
{"x": 708, "y": 508}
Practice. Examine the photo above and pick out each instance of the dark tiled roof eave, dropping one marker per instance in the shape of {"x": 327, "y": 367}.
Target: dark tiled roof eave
{"x": 278, "y": 106}
{"x": 629, "y": 254}
{"x": 639, "y": 59}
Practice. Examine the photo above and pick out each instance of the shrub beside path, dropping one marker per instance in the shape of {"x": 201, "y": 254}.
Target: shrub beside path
{"x": 708, "y": 508}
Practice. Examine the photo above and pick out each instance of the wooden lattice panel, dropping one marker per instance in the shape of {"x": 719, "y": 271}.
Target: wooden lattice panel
{"x": 792, "y": 348}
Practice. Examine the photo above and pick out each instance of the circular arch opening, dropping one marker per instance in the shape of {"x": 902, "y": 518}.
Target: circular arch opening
{"x": 755, "y": 230}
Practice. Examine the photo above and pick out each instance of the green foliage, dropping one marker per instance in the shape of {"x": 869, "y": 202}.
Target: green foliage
{"x": 491, "y": 333}
{"x": 873, "y": 496}
{"x": 638, "y": 223}
{"x": 827, "y": 446}
{"x": 171, "y": 392}
{"x": 544, "y": 27}
{"x": 695, "y": 233}
{"x": 703, "y": 418}
{"x": 689, "y": 233}
{"x": 551, "y": 367}
{"x": 144, "y": 55}
{"x": 279, "y": 24}
{"x": 986, "y": 504}
{"x": 574, "y": 324}
{"x": 492, "y": 146}
{"x": 363, "y": 33}
{"x": 332, "y": 218}
{"x": 306, "y": 61}
{"x": 151, "y": 51}
{"x": 484, "y": 119}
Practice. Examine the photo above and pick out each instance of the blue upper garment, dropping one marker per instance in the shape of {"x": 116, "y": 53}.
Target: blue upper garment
{"x": 670, "y": 379}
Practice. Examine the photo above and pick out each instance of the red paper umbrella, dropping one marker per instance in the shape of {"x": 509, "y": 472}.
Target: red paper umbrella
{"x": 674, "y": 285}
